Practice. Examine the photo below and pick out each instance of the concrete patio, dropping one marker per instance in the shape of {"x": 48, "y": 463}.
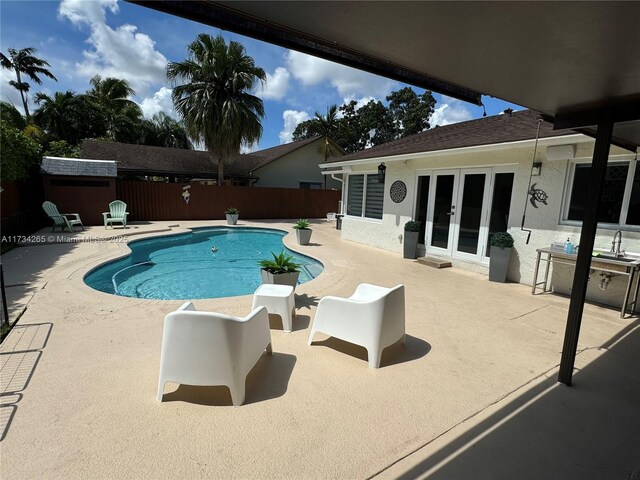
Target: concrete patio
{"x": 472, "y": 395}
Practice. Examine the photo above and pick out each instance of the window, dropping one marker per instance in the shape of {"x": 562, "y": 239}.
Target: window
{"x": 311, "y": 185}
{"x": 620, "y": 198}
{"x": 365, "y": 194}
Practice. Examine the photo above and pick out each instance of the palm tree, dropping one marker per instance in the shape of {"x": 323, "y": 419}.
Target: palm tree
{"x": 25, "y": 62}
{"x": 327, "y": 127}
{"x": 112, "y": 95}
{"x": 169, "y": 132}
{"x": 214, "y": 101}
{"x": 68, "y": 116}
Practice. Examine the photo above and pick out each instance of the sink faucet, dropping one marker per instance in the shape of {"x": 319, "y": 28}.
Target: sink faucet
{"x": 615, "y": 245}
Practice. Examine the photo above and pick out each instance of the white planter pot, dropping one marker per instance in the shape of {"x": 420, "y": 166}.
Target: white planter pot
{"x": 290, "y": 279}
{"x": 232, "y": 219}
{"x": 303, "y": 235}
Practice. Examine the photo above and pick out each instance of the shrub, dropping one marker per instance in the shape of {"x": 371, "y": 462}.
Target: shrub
{"x": 302, "y": 224}
{"x": 231, "y": 211}
{"x": 412, "y": 226}
{"x": 279, "y": 264}
{"x": 20, "y": 153}
{"x": 502, "y": 240}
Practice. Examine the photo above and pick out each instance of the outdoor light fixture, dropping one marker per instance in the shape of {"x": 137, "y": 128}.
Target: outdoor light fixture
{"x": 536, "y": 169}
{"x": 381, "y": 172}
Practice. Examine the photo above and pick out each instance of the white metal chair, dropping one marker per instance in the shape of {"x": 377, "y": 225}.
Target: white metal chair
{"x": 206, "y": 348}
{"x": 372, "y": 317}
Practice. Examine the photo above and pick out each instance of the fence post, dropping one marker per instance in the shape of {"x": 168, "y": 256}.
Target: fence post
{"x": 5, "y": 310}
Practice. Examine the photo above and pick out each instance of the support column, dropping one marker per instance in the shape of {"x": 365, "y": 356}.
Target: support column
{"x": 587, "y": 239}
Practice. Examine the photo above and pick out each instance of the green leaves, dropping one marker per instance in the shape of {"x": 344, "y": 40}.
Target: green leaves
{"x": 20, "y": 153}
{"x": 372, "y": 124}
{"x": 280, "y": 264}
{"x": 502, "y": 240}
{"x": 212, "y": 96}
{"x": 302, "y": 224}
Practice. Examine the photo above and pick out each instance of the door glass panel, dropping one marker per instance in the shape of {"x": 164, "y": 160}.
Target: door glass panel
{"x": 442, "y": 211}
{"x": 500, "y": 205}
{"x": 422, "y": 204}
{"x": 471, "y": 213}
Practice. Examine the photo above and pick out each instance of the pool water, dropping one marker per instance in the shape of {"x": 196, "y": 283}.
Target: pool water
{"x": 185, "y": 267}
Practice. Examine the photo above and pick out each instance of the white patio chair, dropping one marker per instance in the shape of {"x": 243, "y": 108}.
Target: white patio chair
{"x": 206, "y": 348}
{"x": 372, "y": 317}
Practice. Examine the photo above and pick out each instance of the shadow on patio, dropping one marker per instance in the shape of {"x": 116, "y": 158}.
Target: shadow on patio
{"x": 19, "y": 356}
{"x": 586, "y": 431}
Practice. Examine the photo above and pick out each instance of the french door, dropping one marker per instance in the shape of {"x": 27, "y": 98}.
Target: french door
{"x": 457, "y": 219}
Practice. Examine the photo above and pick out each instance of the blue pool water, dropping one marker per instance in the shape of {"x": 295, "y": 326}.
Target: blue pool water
{"x": 183, "y": 267}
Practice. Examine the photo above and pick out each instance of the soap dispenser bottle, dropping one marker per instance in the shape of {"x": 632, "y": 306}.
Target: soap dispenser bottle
{"x": 568, "y": 246}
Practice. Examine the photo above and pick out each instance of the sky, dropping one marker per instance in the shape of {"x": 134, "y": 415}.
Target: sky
{"x": 83, "y": 38}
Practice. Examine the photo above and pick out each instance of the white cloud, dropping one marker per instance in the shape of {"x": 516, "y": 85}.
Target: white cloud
{"x": 249, "y": 148}
{"x": 449, "y": 111}
{"x": 276, "y": 86}
{"x": 121, "y": 52}
{"x": 159, "y": 102}
{"x": 83, "y": 11}
{"x": 10, "y": 94}
{"x": 291, "y": 120}
{"x": 349, "y": 82}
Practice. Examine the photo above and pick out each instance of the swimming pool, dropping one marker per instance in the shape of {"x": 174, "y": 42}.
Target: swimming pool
{"x": 186, "y": 267}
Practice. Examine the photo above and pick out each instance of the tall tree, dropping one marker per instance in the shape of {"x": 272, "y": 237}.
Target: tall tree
{"x": 69, "y": 117}
{"x": 168, "y": 132}
{"x": 410, "y": 111}
{"x": 214, "y": 101}
{"x": 123, "y": 114}
{"x": 24, "y": 62}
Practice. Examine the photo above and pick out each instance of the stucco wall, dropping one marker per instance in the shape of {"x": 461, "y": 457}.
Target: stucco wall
{"x": 298, "y": 166}
{"x": 544, "y": 221}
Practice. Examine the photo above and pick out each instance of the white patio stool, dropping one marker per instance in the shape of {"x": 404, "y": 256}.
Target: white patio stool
{"x": 279, "y": 300}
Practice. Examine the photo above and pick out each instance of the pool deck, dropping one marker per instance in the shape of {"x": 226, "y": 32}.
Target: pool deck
{"x": 473, "y": 394}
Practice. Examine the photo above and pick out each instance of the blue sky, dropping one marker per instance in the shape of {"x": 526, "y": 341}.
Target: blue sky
{"x": 82, "y": 38}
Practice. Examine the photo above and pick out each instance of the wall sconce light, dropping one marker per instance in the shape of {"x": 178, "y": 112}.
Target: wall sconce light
{"x": 536, "y": 169}
{"x": 381, "y": 172}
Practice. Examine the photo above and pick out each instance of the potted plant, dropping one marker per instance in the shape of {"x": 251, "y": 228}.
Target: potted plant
{"x": 501, "y": 245}
{"x": 232, "y": 215}
{"x": 281, "y": 270}
{"x": 410, "y": 241}
{"x": 303, "y": 232}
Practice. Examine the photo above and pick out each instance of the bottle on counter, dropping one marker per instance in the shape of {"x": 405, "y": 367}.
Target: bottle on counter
{"x": 568, "y": 246}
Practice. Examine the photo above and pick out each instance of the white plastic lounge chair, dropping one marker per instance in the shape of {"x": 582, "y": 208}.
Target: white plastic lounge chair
{"x": 206, "y": 348}
{"x": 117, "y": 214}
{"x": 61, "y": 220}
{"x": 372, "y": 317}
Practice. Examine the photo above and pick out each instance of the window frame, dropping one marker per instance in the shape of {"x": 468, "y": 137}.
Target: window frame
{"x": 364, "y": 196}
{"x": 568, "y": 191}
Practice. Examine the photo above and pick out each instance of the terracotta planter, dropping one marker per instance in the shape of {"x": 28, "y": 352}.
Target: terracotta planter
{"x": 303, "y": 235}
{"x": 232, "y": 219}
{"x": 280, "y": 278}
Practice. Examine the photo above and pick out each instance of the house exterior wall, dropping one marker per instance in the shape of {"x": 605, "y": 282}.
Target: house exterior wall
{"x": 298, "y": 166}
{"x": 544, "y": 221}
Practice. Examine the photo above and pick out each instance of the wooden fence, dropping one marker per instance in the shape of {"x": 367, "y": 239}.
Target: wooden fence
{"x": 165, "y": 201}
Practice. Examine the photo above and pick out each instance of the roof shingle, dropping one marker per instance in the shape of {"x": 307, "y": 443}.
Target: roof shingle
{"x": 504, "y": 128}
